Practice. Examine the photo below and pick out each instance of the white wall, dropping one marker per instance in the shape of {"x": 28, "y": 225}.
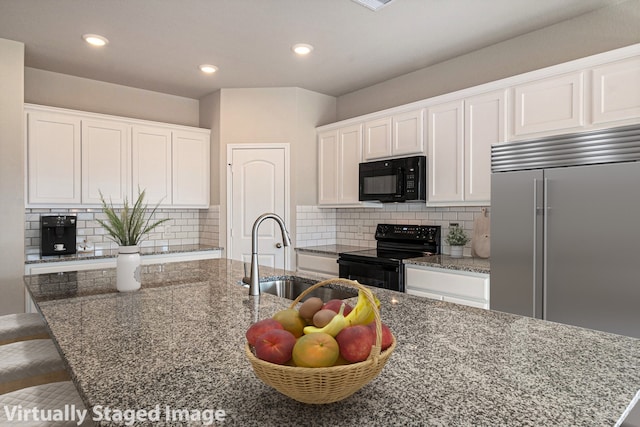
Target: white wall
{"x": 313, "y": 110}
{"x": 77, "y": 93}
{"x": 600, "y": 31}
{"x": 11, "y": 176}
{"x": 210, "y": 119}
{"x": 273, "y": 115}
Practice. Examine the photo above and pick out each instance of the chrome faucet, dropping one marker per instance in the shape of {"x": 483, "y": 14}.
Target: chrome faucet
{"x": 254, "y": 280}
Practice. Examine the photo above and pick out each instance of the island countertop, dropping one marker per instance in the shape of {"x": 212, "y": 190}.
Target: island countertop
{"x": 178, "y": 343}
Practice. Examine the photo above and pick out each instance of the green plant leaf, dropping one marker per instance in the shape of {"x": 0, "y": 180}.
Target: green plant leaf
{"x": 130, "y": 227}
{"x": 457, "y": 236}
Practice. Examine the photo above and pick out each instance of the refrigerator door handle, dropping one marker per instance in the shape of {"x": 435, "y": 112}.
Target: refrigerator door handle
{"x": 535, "y": 243}
{"x": 545, "y": 219}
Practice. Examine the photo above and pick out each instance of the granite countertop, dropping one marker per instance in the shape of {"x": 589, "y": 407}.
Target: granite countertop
{"x": 331, "y": 249}
{"x": 178, "y": 342}
{"x": 475, "y": 265}
{"x": 81, "y": 255}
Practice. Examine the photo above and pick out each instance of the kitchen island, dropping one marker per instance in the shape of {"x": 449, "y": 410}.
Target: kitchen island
{"x": 178, "y": 343}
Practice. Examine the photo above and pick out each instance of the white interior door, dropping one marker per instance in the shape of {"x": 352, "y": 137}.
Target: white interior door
{"x": 258, "y": 184}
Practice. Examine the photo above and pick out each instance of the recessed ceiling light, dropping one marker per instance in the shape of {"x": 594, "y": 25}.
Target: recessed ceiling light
{"x": 302, "y": 48}
{"x": 95, "y": 39}
{"x": 208, "y": 68}
{"x": 373, "y": 4}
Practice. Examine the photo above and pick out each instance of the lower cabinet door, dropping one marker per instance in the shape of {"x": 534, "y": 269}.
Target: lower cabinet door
{"x": 460, "y": 287}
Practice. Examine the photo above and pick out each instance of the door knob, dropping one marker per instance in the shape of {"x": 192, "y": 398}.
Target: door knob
{"x": 278, "y": 245}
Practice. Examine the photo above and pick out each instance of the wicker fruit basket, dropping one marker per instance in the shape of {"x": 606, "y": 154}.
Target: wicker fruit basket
{"x": 325, "y": 385}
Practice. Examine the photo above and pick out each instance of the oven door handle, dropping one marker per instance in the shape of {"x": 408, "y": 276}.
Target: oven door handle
{"x": 377, "y": 264}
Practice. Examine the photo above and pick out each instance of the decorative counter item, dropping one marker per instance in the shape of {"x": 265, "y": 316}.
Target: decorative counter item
{"x": 128, "y": 229}
{"x": 481, "y": 237}
{"x": 333, "y": 381}
{"x": 456, "y": 239}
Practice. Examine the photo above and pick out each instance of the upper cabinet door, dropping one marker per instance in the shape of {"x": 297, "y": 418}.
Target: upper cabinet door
{"x": 53, "y": 155}
{"x": 349, "y": 158}
{"x": 151, "y": 167}
{"x": 549, "y": 106}
{"x": 106, "y": 161}
{"x": 408, "y": 133}
{"x": 616, "y": 91}
{"x": 191, "y": 169}
{"x": 328, "y": 167}
{"x": 398, "y": 135}
{"x": 485, "y": 124}
{"x": 377, "y": 138}
{"x": 446, "y": 152}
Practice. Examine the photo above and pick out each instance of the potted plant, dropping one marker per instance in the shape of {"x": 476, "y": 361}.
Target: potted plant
{"x": 128, "y": 228}
{"x": 456, "y": 238}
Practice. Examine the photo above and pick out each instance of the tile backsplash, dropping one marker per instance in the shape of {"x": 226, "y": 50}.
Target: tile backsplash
{"x": 185, "y": 227}
{"x": 314, "y": 226}
{"x": 210, "y": 226}
{"x": 357, "y": 226}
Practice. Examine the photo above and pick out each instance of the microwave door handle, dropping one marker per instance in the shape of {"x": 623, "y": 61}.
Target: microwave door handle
{"x": 400, "y": 183}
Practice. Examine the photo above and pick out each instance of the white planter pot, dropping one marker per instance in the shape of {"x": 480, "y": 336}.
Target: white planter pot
{"x": 128, "y": 269}
{"x": 456, "y": 251}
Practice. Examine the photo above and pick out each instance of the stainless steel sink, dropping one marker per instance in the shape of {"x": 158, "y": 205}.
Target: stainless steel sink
{"x": 291, "y": 287}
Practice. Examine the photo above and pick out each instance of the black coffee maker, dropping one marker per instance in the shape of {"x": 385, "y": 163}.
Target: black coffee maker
{"x": 58, "y": 235}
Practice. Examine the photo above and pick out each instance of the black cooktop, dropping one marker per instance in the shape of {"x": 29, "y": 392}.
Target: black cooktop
{"x": 388, "y": 254}
{"x": 397, "y": 242}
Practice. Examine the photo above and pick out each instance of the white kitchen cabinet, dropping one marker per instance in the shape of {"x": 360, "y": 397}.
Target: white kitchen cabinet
{"x": 377, "y": 138}
{"x": 460, "y": 287}
{"x": 408, "y": 133}
{"x": 190, "y": 157}
{"x": 53, "y": 158}
{"x": 616, "y": 92}
{"x": 324, "y": 265}
{"x": 151, "y": 167}
{"x": 446, "y": 152}
{"x": 485, "y": 124}
{"x": 106, "y": 162}
{"x": 549, "y": 106}
{"x": 171, "y": 165}
{"x": 328, "y": 167}
{"x": 398, "y": 135}
{"x": 73, "y": 155}
{"x": 459, "y": 143}
{"x": 339, "y": 153}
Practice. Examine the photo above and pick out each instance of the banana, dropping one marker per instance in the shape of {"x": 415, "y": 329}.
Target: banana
{"x": 338, "y": 323}
{"x": 362, "y": 314}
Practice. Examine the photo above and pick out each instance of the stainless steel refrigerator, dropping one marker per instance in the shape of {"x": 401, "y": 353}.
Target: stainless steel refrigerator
{"x": 565, "y": 229}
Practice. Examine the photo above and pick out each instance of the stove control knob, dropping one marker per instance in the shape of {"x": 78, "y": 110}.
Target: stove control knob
{"x": 382, "y": 230}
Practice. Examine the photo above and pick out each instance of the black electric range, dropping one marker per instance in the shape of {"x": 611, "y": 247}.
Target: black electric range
{"x": 382, "y": 267}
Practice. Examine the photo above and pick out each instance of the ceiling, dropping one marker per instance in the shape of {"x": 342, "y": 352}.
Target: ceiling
{"x": 158, "y": 44}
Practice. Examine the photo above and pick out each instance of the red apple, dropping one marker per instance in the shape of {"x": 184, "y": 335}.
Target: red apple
{"x": 260, "y": 328}
{"x": 275, "y": 346}
{"x": 387, "y": 336}
{"x": 335, "y": 304}
{"x": 355, "y": 342}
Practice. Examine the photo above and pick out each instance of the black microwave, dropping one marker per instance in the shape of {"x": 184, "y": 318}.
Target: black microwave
{"x": 394, "y": 180}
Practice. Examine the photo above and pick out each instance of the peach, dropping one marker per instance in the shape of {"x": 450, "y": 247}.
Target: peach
{"x": 260, "y": 328}
{"x": 355, "y": 342}
{"x": 387, "y": 336}
{"x": 275, "y": 346}
{"x": 315, "y": 350}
